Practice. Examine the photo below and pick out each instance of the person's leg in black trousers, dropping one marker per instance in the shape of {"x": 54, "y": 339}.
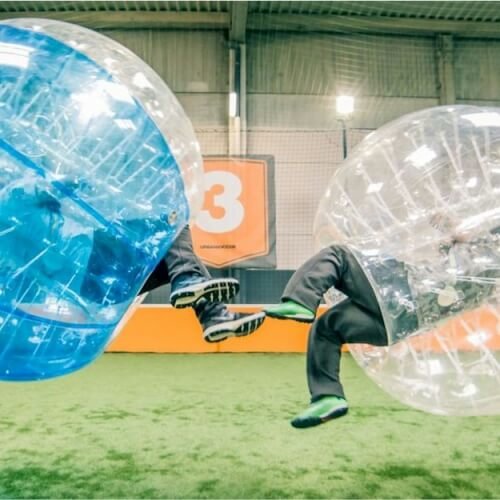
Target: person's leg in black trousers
{"x": 345, "y": 323}
{"x": 191, "y": 282}
{"x": 357, "y": 319}
{"x": 190, "y": 278}
{"x": 334, "y": 266}
{"x": 192, "y": 286}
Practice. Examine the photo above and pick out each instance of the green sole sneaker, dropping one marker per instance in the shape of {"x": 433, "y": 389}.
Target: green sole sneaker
{"x": 290, "y": 310}
{"x": 320, "y": 412}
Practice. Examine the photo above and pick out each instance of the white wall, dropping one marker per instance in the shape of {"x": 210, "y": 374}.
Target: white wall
{"x": 477, "y": 72}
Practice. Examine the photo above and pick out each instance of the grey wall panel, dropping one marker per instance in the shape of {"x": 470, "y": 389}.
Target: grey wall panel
{"x": 385, "y": 66}
{"x": 205, "y": 110}
{"x": 289, "y": 63}
{"x": 193, "y": 63}
{"x": 480, "y": 102}
{"x": 477, "y": 70}
{"x": 189, "y": 61}
{"x": 291, "y": 111}
{"x": 305, "y": 148}
{"x": 283, "y": 63}
{"x": 318, "y": 112}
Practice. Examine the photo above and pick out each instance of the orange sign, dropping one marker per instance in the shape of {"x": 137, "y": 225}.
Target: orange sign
{"x": 234, "y": 224}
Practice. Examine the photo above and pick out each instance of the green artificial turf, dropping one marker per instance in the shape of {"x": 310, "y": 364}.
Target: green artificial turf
{"x": 217, "y": 426}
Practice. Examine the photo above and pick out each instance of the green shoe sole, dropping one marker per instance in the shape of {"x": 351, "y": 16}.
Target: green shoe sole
{"x": 296, "y": 317}
{"x": 312, "y": 421}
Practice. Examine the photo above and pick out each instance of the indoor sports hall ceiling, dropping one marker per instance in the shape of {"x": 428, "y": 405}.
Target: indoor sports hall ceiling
{"x": 457, "y": 11}
{"x": 465, "y": 18}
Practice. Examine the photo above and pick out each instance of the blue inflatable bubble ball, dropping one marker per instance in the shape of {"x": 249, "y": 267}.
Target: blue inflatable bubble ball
{"x": 418, "y": 205}
{"x": 99, "y": 171}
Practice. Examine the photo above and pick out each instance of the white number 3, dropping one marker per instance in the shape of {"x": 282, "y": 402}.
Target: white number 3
{"x": 225, "y": 203}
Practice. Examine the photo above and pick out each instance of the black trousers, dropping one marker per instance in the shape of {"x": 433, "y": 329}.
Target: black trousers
{"x": 180, "y": 261}
{"x": 357, "y": 319}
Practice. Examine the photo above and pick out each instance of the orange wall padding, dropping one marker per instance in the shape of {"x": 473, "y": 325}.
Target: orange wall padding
{"x": 163, "y": 329}
{"x": 456, "y": 333}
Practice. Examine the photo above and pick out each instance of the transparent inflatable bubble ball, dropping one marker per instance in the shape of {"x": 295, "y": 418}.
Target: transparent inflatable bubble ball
{"x": 418, "y": 204}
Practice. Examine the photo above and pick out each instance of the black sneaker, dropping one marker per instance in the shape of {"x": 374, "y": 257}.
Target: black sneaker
{"x": 236, "y": 325}
{"x": 187, "y": 292}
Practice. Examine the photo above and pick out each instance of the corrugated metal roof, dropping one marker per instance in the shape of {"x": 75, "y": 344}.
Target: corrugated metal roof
{"x": 418, "y": 18}
{"x": 445, "y": 10}
{"x": 113, "y": 6}
{"x": 453, "y": 11}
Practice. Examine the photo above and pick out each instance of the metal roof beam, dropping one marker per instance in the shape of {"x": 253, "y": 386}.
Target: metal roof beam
{"x": 238, "y": 21}
{"x": 238, "y": 29}
{"x": 133, "y": 19}
{"x": 371, "y": 24}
